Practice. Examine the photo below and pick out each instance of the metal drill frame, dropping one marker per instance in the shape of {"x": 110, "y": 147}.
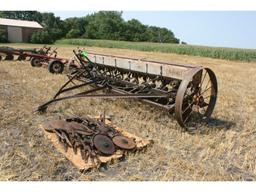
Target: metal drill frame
{"x": 174, "y": 82}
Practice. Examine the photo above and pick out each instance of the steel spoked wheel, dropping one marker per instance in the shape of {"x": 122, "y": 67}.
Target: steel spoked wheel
{"x": 196, "y": 98}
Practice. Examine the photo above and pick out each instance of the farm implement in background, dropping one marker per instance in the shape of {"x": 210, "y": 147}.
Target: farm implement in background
{"x": 188, "y": 91}
{"x": 37, "y": 57}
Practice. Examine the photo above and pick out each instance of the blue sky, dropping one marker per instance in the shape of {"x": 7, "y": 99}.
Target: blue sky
{"x": 210, "y": 28}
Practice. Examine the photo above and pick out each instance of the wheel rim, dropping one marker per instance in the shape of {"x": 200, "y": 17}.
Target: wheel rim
{"x": 196, "y": 98}
{"x": 37, "y": 63}
{"x": 56, "y": 67}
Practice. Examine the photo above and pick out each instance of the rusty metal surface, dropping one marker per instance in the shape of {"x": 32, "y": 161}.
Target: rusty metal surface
{"x": 196, "y": 97}
{"x": 37, "y": 57}
{"x": 166, "y": 92}
{"x": 92, "y": 137}
{"x": 104, "y": 144}
{"x": 124, "y": 142}
{"x": 24, "y": 53}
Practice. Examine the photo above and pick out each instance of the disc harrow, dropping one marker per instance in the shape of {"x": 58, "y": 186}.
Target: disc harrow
{"x": 189, "y": 91}
{"x": 92, "y": 137}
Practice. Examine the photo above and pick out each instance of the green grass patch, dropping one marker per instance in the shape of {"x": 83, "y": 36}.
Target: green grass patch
{"x": 203, "y": 51}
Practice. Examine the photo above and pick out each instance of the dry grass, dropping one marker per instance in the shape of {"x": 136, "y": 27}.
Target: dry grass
{"x": 223, "y": 150}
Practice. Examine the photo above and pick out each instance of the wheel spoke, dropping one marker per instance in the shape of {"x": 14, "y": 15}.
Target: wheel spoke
{"x": 207, "y": 84}
{"x": 187, "y": 108}
{"x": 206, "y": 90}
{"x": 207, "y": 97}
{"x": 185, "y": 120}
{"x": 197, "y": 99}
{"x": 203, "y": 79}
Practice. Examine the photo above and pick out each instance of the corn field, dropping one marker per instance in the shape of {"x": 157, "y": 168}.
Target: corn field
{"x": 203, "y": 51}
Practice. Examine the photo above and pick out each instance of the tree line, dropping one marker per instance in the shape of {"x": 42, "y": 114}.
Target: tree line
{"x": 100, "y": 25}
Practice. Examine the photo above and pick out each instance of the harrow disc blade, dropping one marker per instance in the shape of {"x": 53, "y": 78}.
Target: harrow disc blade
{"x": 78, "y": 128}
{"x": 57, "y": 124}
{"x": 75, "y": 125}
{"x": 124, "y": 142}
{"x": 104, "y": 144}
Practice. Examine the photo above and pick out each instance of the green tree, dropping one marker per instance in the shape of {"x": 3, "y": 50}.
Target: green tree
{"x": 22, "y": 15}
{"x": 101, "y": 25}
{"x": 53, "y": 25}
{"x": 161, "y": 35}
{"x": 104, "y": 25}
{"x": 77, "y": 24}
{"x": 42, "y": 37}
{"x": 166, "y": 36}
{"x": 73, "y": 33}
{"x": 3, "y": 36}
{"x": 135, "y": 31}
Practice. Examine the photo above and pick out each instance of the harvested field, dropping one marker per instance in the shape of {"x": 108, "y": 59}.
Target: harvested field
{"x": 222, "y": 150}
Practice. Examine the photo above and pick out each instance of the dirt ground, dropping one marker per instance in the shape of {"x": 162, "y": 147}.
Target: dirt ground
{"x": 225, "y": 149}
